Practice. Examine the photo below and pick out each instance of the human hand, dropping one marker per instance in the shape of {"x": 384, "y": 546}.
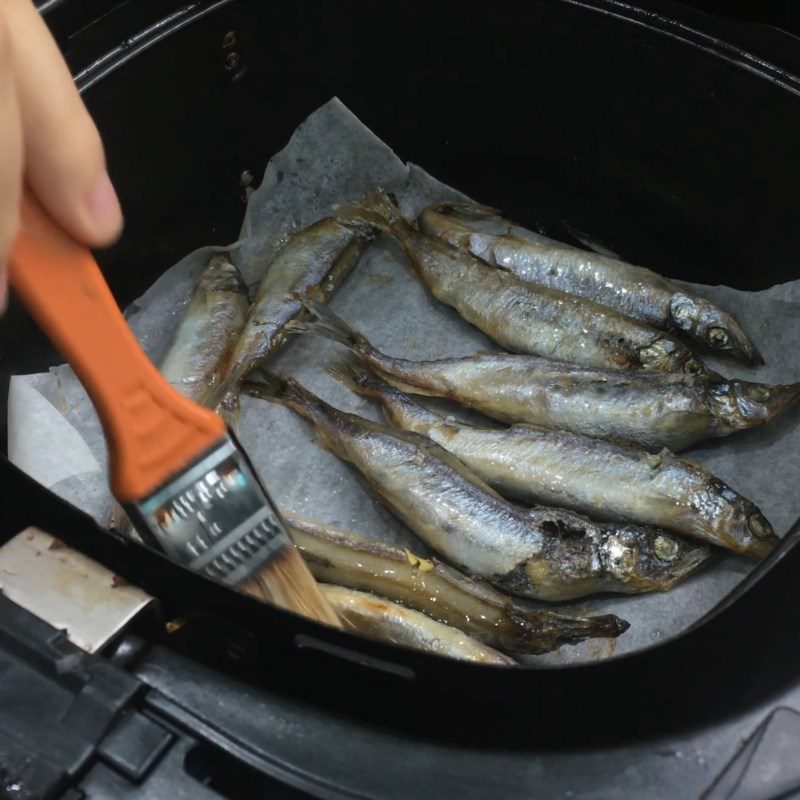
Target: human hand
{"x": 47, "y": 139}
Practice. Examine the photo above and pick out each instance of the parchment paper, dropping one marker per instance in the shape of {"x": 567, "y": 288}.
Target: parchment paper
{"x": 332, "y": 158}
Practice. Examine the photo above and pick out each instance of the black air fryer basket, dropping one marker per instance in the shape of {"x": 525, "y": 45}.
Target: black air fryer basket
{"x": 674, "y": 132}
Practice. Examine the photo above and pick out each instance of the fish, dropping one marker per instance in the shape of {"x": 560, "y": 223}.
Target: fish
{"x": 636, "y": 292}
{"x": 596, "y": 478}
{"x": 523, "y": 317}
{"x": 386, "y": 621}
{"x": 544, "y": 553}
{"x": 315, "y": 260}
{"x": 448, "y": 596}
{"x": 203, "y": 342}
{"x": 200, "y": 348}
{"x": 653, "y": 410}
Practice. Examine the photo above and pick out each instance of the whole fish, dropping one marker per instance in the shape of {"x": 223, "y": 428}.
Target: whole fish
{"x": 525, "y": 318}
{"x": 600, "y": 479}
{"x": 649, "y": 409}
{"x": 390, "y": 622}
{"x": 543, "y": 553}
{"x": 207, "y": 332}
{"x": 446, "y": 595}
{"x": 636, "y": 292}
{"x": 315, "y": 260}
{"x": 201, "y": 346}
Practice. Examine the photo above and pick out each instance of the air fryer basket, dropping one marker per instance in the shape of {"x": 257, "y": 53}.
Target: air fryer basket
{"x": 655, "y": 134}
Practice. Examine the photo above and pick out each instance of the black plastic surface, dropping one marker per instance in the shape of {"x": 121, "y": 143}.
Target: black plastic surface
{"x": 660, "y": 133}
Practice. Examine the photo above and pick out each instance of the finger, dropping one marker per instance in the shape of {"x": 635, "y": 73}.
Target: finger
{"x": 10, "y": 157}
{"x": 64, "y": 162}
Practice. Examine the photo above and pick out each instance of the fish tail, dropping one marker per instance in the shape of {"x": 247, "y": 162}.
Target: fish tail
{"x": 353, "y": 374}
{"x": 287, "y": 392}
{"x": 327, "y": 324}
{"x": 466, "y": 209}
{"x": 545, "y": 630}
{"x": 378, "y": 210}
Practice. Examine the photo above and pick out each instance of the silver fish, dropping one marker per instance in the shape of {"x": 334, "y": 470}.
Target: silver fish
{"x": 636, "y": 292}
{"x": 600, "y": 479}
{"x": 525, "y": 318}
{"x": 381, "y": 619}
{"x": 207, "y": 332}
{"x": 650, "y": 409}
{"x": 544, "y": 553}
{"x": 446, "y": 595}
{"x": 201, "y": 346}
{"x": 315, "y": 260}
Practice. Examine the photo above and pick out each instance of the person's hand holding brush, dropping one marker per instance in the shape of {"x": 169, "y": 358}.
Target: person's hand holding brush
{"x": 47, "y": 139}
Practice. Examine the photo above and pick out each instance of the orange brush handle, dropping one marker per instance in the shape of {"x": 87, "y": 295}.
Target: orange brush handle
{"x": 153, "y": 432}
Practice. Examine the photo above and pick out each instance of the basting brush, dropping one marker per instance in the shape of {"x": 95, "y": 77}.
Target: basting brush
{"x": 174, "y": 466}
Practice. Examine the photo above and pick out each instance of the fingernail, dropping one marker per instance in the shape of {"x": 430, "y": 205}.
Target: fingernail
{"x": 104, "y": 210}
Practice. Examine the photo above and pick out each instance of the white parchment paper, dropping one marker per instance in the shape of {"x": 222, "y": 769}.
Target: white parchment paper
{"x": 332, "y": 158}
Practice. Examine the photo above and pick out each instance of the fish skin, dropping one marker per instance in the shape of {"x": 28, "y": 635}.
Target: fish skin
{"x": 427, "y": 585}
{"x": 384, "y": 620}
{"x": 647, "y": 409}
{"x": 525, "y": 318}
{"x": 634, "y": 291}
{"x": 548, "y": 554}
{"x": 596, "y": 478}
{"x": 315, "y": 260}
{"x": 206, "y": 334}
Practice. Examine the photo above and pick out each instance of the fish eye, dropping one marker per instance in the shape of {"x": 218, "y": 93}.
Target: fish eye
{"x": 758, "y": 393}
{"x": 665, "y": 549}
{"x": 718, "y": 337}
{"x": 759, "y": 527}
{"x": 693, "y": 367}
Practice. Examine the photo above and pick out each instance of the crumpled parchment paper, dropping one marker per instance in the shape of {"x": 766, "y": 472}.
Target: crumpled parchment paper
{"x": 332, "y": 158}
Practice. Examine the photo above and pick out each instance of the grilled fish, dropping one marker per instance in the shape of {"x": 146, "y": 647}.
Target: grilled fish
{"x": 429, "y": 586}
{"x": 597, "y": 478}
{"x": 525, "y": 318}
{"x": 314, "y": 260}
{"x": 653, "y": 410}
{"x": 636, "y": 292}
{"x": 204, "y": 339}
{"x": 201, "y": 346}
{"x": 390, "y": 622}
{"x": 544, "y": 553}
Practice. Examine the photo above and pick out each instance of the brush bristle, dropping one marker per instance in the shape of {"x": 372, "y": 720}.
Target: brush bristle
{"x": 288, "y": 583}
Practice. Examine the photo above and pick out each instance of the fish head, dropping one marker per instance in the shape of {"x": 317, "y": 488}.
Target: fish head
{"x": 717, "y": 329}
{"x": 665, "y": 354}
{"x": 738, "y": 523}
{"x": 742, "y": 404}
{"x": 638, "y": 559}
